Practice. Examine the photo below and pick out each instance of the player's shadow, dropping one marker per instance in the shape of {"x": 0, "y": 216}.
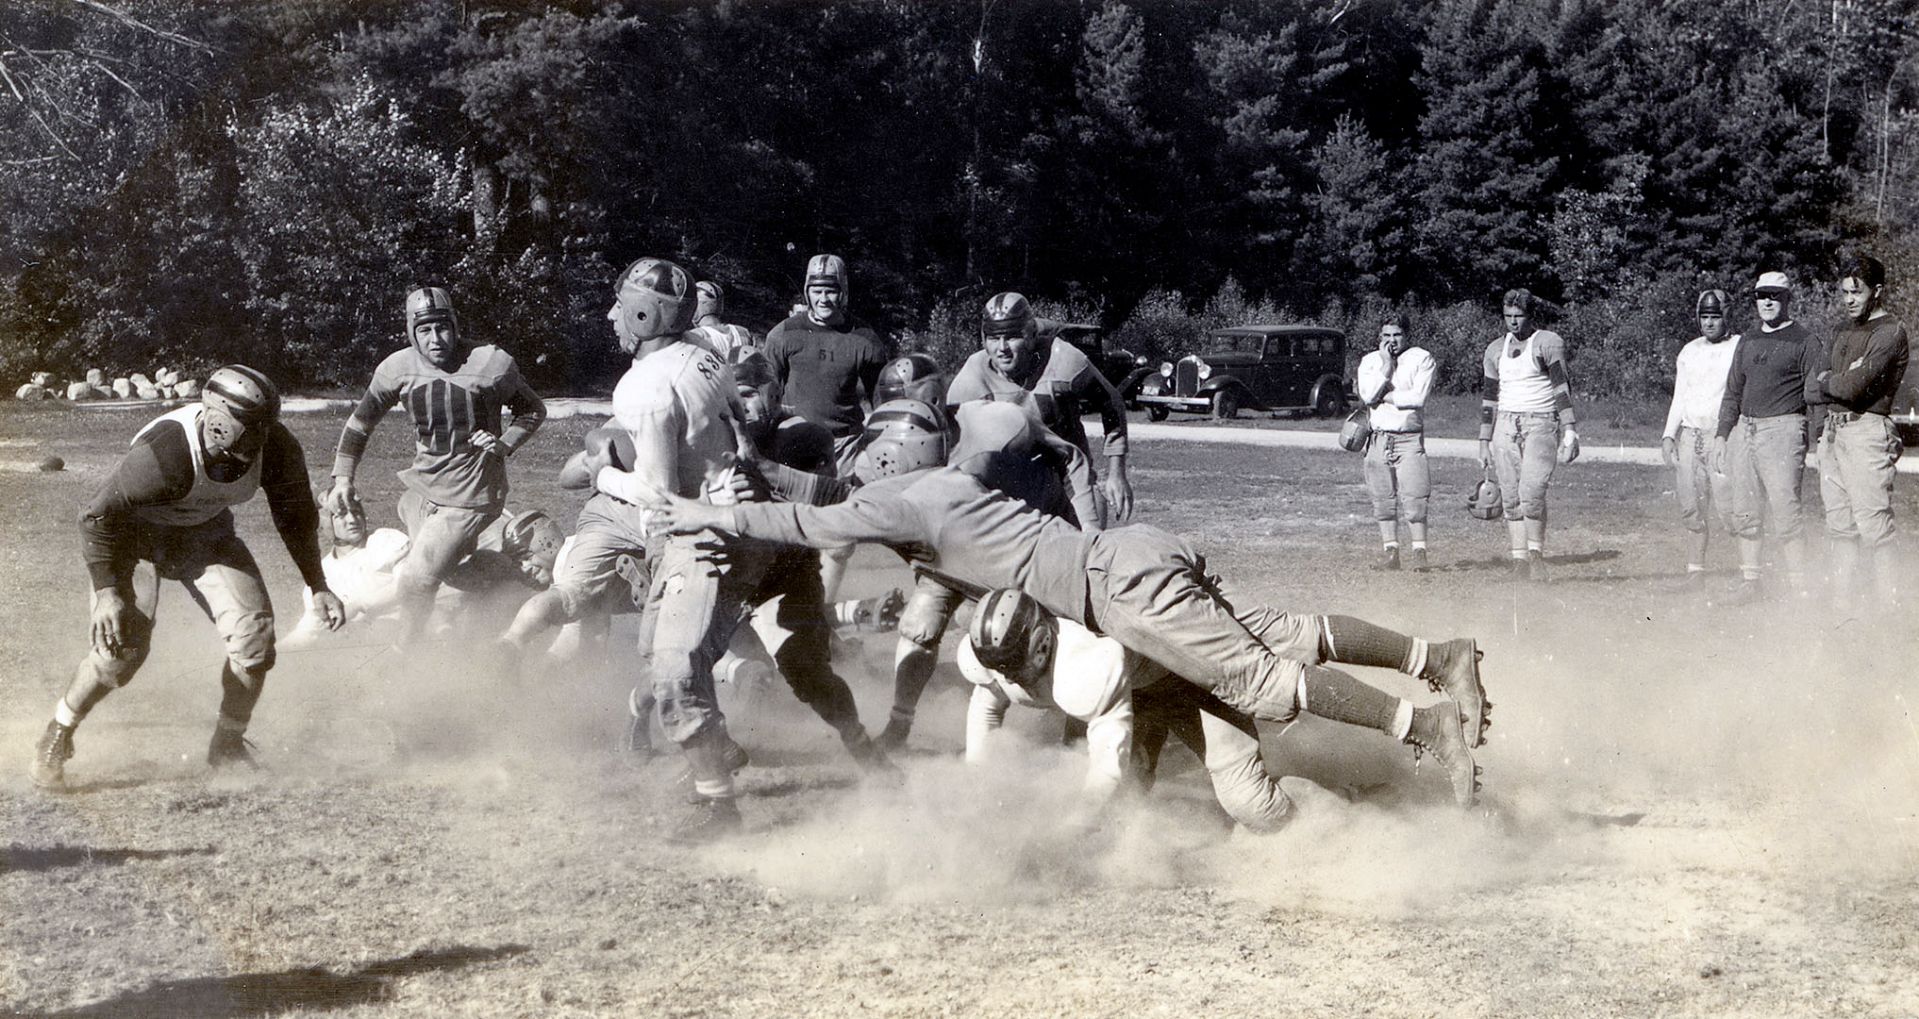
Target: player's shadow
{"x": 1504, "y": 563}
{"x": 265, "y": 994}
{"x": 17, "y": 858}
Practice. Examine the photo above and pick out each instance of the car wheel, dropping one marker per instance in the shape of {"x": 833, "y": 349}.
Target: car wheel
{"x": 1331, "y": 403}
{"x": 1225, "y": 405}
{"x": 1155, "y": 412}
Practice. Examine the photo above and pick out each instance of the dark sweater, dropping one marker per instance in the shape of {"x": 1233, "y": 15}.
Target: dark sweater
{"x": 825, "y": 370}
{"x": 1868, "y": 365}
{"x": 1770, "y": 375}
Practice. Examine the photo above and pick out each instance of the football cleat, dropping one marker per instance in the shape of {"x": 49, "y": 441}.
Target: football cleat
{"x": 1452, "y": 669}
{"x": 887, "y": 615}
{"x": 1436, "y": 731}
{"x": 50, "y": 757}
{"x": 893, "y": 737}
{"x": 1536, "y": 567}
{"x": 709, "y": 820}
{"x": 873, "y": 762}
{"x": 1388, "y": 560}
{"x": 1745, "y": 592}
{"x": 1416, "y": 560}
{"x": 228, "y": 748}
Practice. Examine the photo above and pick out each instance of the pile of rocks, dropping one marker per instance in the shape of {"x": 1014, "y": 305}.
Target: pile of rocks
{"x": 166, "y": 384}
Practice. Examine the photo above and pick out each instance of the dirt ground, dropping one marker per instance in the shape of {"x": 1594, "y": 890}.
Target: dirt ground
{"x": 1690, "y": 810}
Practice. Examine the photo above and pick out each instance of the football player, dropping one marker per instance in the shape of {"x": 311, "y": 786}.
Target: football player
{"x": 166, "y": 512}
{"x": 677, "y": 406}
{"x": 726, "y": 340}
{"x": 454, "y": 393}
{"x": 1142, "y": 586}
{"x": 1018, "y": 653}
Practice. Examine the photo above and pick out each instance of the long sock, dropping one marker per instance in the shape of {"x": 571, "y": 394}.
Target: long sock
{"x": 706, "y": 759}
{"x": 1330, "y": 693}
{"x": 1350, "y": 640}
{"x": 913, "y": 668}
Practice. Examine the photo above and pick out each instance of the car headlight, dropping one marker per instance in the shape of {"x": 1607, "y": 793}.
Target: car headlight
{"x": 1139, "y": 361}
{"x": 1166, "y": 369}
{"x": 1205, "y": 371}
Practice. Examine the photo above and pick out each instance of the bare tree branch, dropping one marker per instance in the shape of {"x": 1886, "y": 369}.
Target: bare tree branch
{"x": 127, "y": 19}
{"x": 35, "y": 114}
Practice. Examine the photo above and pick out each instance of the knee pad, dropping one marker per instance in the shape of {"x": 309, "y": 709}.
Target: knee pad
{"x": 250, "y": 646}
{"x": 924, "y": 621}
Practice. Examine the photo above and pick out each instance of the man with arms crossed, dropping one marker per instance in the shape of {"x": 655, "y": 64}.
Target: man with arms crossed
{"x": 1859, "y": 446}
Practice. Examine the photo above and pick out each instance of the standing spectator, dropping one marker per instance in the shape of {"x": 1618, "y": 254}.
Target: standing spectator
{"x": 1394, "y": 381}
{"x": 1761, "y": 435}
{"x": 1526, "y": 418}
{"x": 1859, "y": 445}
{"x": 1699, "y": 385}
{"x": 826, "y": 362}
{"x": 726, "y": 340}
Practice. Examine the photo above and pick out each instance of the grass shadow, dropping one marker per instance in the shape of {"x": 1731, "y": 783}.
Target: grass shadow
{"x": 258, "y": 994}
{"x": 17, "y": 858}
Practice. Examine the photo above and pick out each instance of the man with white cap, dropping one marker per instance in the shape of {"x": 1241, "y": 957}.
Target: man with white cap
{"x": 1144, "y": 587}
{"x": 1761, "y": 434}
{"x": 1699, "y": 384}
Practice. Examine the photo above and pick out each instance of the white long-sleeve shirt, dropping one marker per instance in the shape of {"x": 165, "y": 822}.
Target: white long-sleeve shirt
{"x": 1699, "y": 384}
{"x": 1396, "y": 400}
{"x": 1092, "y": 679}
{"x": 676, "y": 403}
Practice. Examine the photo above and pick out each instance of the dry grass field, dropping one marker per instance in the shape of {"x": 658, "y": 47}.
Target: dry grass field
{"x": 1690, "y": 810}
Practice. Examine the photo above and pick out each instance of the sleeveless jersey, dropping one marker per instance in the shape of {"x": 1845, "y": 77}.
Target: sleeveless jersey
{"x": 208, "y": 497}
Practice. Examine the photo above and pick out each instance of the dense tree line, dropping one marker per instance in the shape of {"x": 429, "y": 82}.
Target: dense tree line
{"x": 197, "y": 183}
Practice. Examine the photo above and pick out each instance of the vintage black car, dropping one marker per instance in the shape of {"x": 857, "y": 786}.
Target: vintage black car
{"x": 1263, "y": 367}
{"x": 1124, "y": 369}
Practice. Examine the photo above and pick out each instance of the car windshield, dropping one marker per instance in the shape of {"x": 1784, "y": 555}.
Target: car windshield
{"x": 1234, "y": 343}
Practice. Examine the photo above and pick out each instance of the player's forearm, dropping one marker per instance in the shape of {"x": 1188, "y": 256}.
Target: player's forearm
{"x": 1855, "y": 380}
{"x": 529, "y": 412}
{"x": 359, "y": 428}
{"x": 1488, "y": 409}
{"x": 821, "y": 527}
{"x": 985, "y": 712}
{"x": 804, "y": 487}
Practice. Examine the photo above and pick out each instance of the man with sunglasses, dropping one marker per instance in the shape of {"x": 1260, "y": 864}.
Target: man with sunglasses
{"x": 1760, "y": 438}
{"x": 166, "y": 512}
{"x": 1526, "y": 426}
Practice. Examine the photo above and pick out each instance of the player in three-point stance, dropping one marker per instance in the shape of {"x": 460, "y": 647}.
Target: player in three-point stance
{"x": 166, "y": 512}
{"x": 454, "y": 392}
{"x": 1147, "y": 589}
